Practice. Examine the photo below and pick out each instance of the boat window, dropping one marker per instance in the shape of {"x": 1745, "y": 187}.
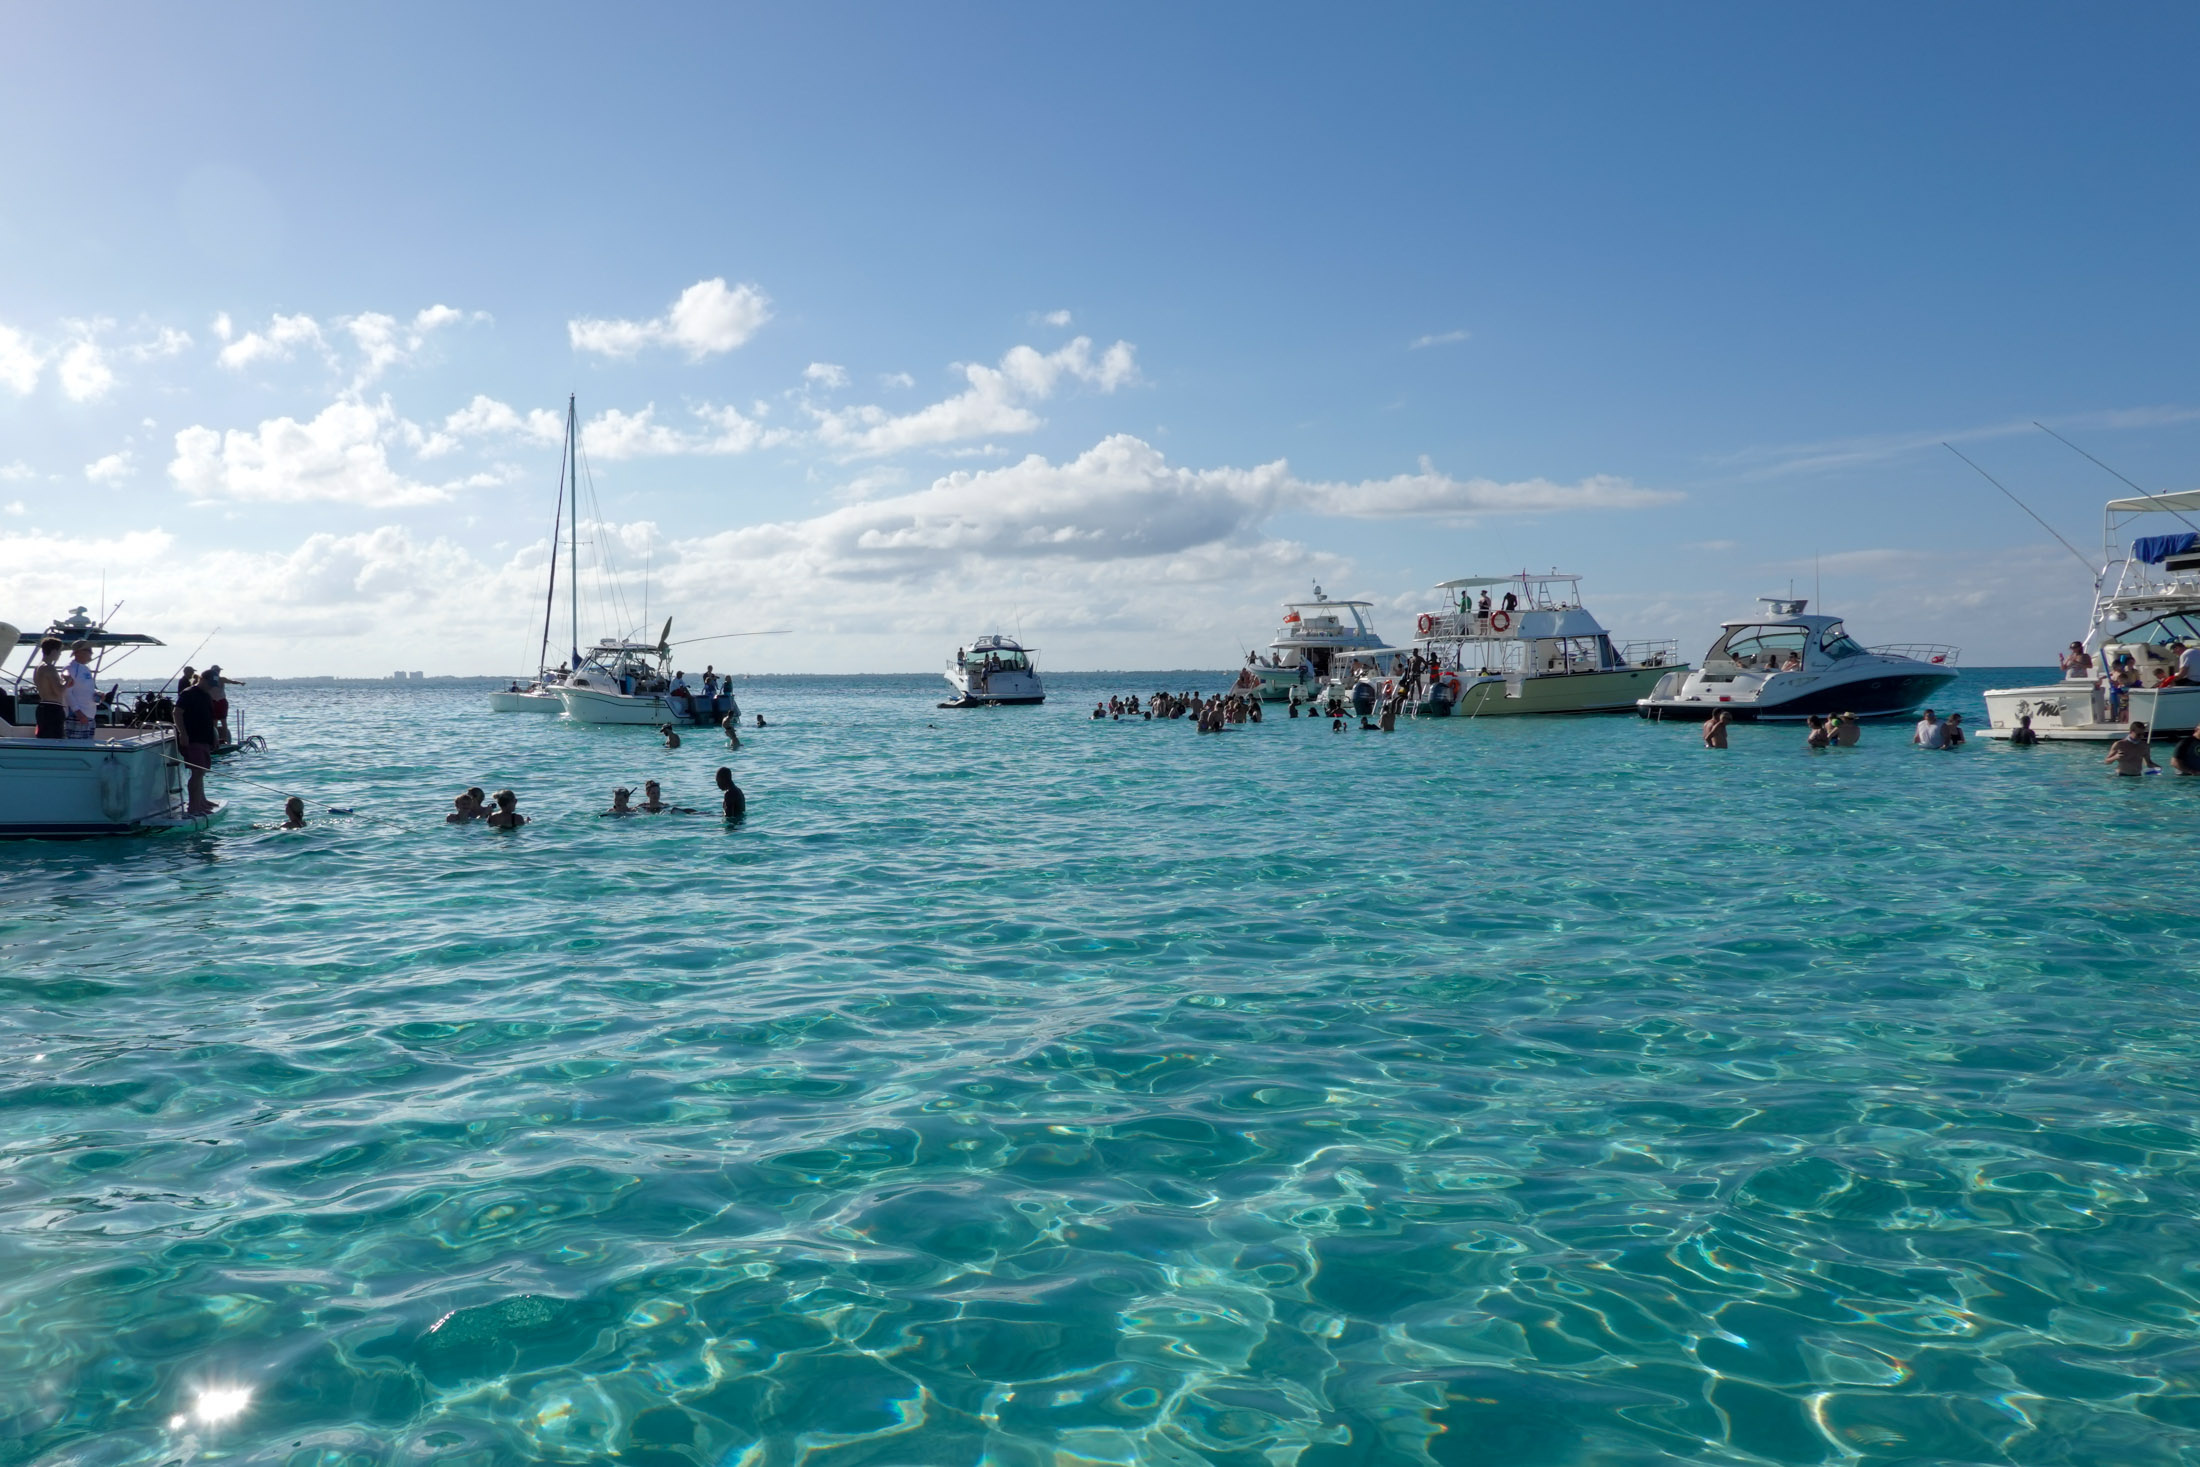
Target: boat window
{"x": 1760, "y": 646}
{"x": 1835, "y": 641}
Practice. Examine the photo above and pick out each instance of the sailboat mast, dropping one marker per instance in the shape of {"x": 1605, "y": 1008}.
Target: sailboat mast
{"x": 573, "y": 580}
{"x": 550, "y": 600}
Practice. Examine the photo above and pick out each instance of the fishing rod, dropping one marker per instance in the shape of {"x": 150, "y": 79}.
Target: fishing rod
{"x": 722, "y": 636}
{"x": 1989, "y": 478}
{"x": 195, "y": 651}
{"x": 2050, "y": 432}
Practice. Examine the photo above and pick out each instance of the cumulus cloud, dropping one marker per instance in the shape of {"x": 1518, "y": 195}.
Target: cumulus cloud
{"x": 112, "y": 469}
{"x": 1056, "y": 318}
{"x": 341, "y": 456}
{"x": 612, "y": 434}
{"x": 166, "y": 342}
{"x": 825, "y": 374}
{"x": 83, "y": 372}
{"x": 278, "y": 343}
{"x": 385, "y": 342}
{"x": 20, "y": 360}
{"x": 707, "y": 320}
{"x": 995, "y": 403}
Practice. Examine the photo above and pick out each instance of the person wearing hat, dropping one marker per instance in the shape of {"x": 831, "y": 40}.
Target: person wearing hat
{"x": 2188, "y": 663}
{"x": 80, "y": 694}
{"x": 218, "y": 690}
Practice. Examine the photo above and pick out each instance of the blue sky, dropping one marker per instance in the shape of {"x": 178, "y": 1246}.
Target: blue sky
{"x": 1680, "y": 299}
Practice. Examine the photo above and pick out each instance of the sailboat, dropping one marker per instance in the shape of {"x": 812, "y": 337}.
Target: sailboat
{"x": 541, "y": 695}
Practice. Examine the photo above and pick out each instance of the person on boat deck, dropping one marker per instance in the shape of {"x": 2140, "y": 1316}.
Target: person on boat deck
{"x": 46, "y": 681}
{"x": 465, "y": 809}
{"x": 1930, "y": 732}
{"x": 1714, "y": 732}
{"x": 710, "y": 682}
{"x": 80, "y": 694}
{"x": 1512, "y": 602}
{"x": 1952, "y": 732}
{"x": 2131, "y": 753}
{"x": 619, "y": 803}
{"x": 2022, "y": 735}
{"x": 1483, "y": 610}
{"x": 214, "y": 683}
{"x": 2185, "y": 758}
{"x": 2188, "y": 664}
{"x": 294, "y": 814}
{"x": 506, "y": 816}
{"x": 2075, "y": 662}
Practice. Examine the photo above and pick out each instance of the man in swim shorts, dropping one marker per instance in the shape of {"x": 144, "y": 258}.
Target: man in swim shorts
{"x": 46, "y": 678}
{"x": 2132, "y": 754}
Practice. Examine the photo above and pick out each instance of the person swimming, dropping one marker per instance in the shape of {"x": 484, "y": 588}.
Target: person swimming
{"x": 466, "y": 809}
{"x": 619, "y": 803}
{"x": 506, "y": 816}
{"x": 760, "y": 720}
{"x": 736, "y": 803}
{"x": 653, "y": 802}
{"x": 671, "y": 735}
{"x": 294, "y": 814}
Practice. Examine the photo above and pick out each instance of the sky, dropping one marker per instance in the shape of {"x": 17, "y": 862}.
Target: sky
{"x": 1114, "y": 328}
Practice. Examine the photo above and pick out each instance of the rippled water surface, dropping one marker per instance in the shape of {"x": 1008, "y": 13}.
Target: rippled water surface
{"x": 1017, "y": 1089}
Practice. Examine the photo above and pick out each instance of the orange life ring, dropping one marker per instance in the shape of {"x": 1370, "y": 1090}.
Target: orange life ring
{"x": 1389, "y": 687}
{"x": 1452, "y": 682}
{"x": 1425, "y": 625}
{"x": 1500, "y": 620}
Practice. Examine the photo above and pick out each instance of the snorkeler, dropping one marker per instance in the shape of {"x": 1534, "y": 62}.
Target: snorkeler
{"x": 619, "y": 803}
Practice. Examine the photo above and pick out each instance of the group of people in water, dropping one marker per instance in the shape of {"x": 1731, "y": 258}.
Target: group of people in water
{"x": 1219, "y": 712}
{"x": 500, "y": 811}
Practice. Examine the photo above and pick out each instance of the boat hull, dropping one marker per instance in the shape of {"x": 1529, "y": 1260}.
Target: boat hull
{"x": 591, "y": 705}
{"x": 123, "y": 782}
{"x": 1881, "y": 695}
{"x": 2069, "y": 712}
{"x": 530, "y": 702}
{"x": 1575, "y": 692}
{"x": 982, "y": 702}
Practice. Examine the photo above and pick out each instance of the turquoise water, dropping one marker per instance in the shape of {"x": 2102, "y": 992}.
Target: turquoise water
{"x": 1016, "y": 1089}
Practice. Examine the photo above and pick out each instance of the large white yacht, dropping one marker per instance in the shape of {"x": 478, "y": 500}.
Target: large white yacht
{"x": 1305, "y": 655}
{"x": 2145, "y": 599}
{"x": 1785, "y": 665}
{"x": 993, "y": 671}
{"x": 634, "y": 682}
{"x": 1532, "y": 648}
{"x": 121, "y": 781}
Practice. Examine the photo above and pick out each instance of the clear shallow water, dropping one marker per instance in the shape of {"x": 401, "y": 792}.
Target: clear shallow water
{"x": 1017, "y": 1089}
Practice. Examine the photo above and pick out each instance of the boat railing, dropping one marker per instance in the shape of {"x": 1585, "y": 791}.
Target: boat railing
{"x": 1938, "y": 652}
{"x": 1651, "y": 653}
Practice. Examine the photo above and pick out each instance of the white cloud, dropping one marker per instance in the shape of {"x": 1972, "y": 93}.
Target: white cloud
{"x": 897, "y": 379}
{"x": 993, "y": 403}
{"x": 83, "y": 372}
{"x": 825, "y": 374}
{"x": 1056, "y": 318}
{"x": 341, "y": 456}
{"x": 14, "y": 507}
{"x": 706, "y": 320}
{"x": 1431, "y": 492}
{"x": 1439, "y": 338}
{"x": 224, "y": 328}
{"x": 20, "y": 360}
{"x": 385, "y": 342}
{"x": 16, "y": 472}
{"x": 485, "y": 417}
{"x": 112, "y": 469}
{"x": 284, "y": 335}
{"x": 167, "y": 342}
{"x": 618, "y": 435}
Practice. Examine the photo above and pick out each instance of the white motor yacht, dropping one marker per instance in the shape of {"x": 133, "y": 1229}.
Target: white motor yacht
{"x": 121, "y": 781}
{"x": 1785, "y": 665}
{"x": 1303, "y": 659}
{"x": 1534, "y": 650}
{"x": 2146, "y": 599}
{"x": 992, "y": 672}
{"x": 633, "y": 682}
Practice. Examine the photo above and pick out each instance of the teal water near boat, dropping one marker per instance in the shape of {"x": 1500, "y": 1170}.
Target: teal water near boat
{"x": 1015, "y": 1088}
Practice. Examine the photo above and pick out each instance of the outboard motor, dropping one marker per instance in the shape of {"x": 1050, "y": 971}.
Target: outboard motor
{"x": 1363, "y": 698}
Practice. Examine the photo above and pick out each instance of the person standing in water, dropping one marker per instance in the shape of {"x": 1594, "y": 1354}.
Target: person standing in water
{"x": 506, "y": 816}
{"x": 736, "y": 803}
{"x": 294, "y": 814}
{"x": 1929, "y": 733}
{"x": 1714, "y": 732}
{"x": 2132, "y": 753}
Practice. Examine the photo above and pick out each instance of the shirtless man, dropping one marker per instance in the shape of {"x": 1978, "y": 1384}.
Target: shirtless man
{"x": 46, "y": 677}
{"x": 736, "y": 803}
{"x": 2131, "y": 754}
{"x": 1714, "y": 732}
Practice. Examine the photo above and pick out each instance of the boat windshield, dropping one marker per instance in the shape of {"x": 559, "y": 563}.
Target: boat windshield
{"x": 2163, "y": 630}
{"x": 997, "y": 660}
{"x": 1835, "y": 641}
{"x": 1760, "y": 646}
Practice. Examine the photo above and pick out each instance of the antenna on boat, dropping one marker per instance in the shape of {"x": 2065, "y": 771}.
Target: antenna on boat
{"x": 1989, "y": 478}
{"x": 2149, "y": 493}
{"x": 1817, "y": 594}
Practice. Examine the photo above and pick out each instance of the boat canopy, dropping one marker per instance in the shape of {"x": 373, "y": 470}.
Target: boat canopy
{"x": 1465, "y": 583}
{"x": 2176, "y": 499}
{"x": 94, "y": 636}
{"x": 2154, "y": 549}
